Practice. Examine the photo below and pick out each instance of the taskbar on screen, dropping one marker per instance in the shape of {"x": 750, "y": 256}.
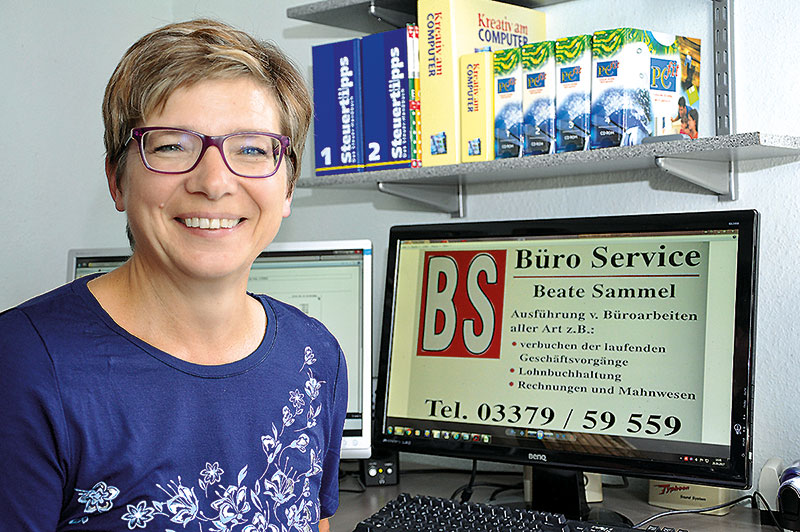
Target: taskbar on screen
{"x": 546, "y": 439}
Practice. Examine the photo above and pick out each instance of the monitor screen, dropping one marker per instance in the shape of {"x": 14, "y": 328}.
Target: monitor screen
{"x": 619, "y": 345}
{"x": 329, "y": 280}
{"x": 82, "y": 262}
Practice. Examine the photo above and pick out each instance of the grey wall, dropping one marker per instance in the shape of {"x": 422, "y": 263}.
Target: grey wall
{"x": 57, "y": 57}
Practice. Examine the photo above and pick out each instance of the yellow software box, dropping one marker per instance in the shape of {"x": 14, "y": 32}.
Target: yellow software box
{"x": 477, "y": 109}
{"x": 449, "y": 29}
{"x": 684, "y": 496}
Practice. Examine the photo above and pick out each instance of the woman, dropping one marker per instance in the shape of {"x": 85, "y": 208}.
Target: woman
{"x": 162, "y": 394}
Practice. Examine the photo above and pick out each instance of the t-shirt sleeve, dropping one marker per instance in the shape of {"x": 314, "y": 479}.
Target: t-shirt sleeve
{"x": 329, "y": 489}
{"x": 32, "y": 429}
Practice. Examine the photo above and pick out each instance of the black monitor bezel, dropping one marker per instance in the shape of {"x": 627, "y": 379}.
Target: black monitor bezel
{"x": 738, "y": 474}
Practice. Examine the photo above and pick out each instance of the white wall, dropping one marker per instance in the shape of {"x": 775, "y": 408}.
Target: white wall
{"x": 57, "y": 58}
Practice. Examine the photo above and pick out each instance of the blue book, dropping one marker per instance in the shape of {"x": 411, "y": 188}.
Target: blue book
{"x": 338, "y": 111}
{"x": 385, "y": 86}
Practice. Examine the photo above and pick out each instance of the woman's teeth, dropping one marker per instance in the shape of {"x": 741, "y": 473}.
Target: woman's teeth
{"x": 210, "y": 223}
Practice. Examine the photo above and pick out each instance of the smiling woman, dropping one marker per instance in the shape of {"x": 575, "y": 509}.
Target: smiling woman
{"x": 162, "y": 393}
{"x": 168, "y": 250}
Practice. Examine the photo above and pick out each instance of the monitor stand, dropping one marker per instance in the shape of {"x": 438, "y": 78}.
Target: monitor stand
{"x": 563, "y": 491}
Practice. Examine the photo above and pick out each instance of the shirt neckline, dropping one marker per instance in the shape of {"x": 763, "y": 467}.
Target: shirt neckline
{"x": 80, "y": 286}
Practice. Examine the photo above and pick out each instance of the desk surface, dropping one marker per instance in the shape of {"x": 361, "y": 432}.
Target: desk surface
{"x": 632, "y": 502}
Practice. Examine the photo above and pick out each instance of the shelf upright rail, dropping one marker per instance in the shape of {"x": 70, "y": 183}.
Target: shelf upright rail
{"x": 718, "y": 176}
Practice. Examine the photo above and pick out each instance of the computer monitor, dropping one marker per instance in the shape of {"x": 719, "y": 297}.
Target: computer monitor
{"x": 329, "y": 280}
{"x": 82, "y": 262}
{"x": 620, "y": 345}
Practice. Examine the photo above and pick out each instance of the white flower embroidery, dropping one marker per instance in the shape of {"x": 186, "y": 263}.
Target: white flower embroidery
{"x": 288, "y": 418}
{"x": 271, "y": 445}
{"x": 182, "y": 503}
{"x": 280, "y": 487}
{"x": 316, "y": 464}
{"x": 312, "y": 386}
{"x": 259, "y": 524}
{"x": 309, "y": 356}
{"x": 138, "y": 516}
{"x": 212, "y": 473}
{"x": 99, "y": 498}
{"x": 300, "y": 443}
{"x": 312, "y": 416}
{"x": 298, "y": 516}
{"x": 232, "y": 506}
{"x": 296, "y": 398}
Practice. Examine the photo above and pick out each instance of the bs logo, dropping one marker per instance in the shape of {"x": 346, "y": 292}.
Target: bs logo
{"x": 462, "y": 304}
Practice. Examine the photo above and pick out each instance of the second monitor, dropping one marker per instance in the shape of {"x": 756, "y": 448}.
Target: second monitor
{"x": 330, "y": 281}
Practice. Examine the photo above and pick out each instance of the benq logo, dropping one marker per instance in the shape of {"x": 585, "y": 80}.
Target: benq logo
{"x": 506, "y": 85}
{"x": 607, "y": 69}
{"x": 568, "y": 75}
{"x": 462, "y": 304}
{"x": 537, "y": 457}
{"x": 536, "y": 81}
{"x": 663, "y": 74}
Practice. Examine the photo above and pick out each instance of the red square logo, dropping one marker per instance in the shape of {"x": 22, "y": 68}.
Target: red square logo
{"x": 462, "y": 304}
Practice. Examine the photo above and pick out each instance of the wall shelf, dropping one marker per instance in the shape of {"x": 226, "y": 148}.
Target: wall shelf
{"x": 372, "y": 16}
{"x": 707, "y": 162}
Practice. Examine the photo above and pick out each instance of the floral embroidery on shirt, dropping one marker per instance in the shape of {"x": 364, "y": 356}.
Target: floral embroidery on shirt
{"x": 182, "y": 504}
{"x": 99, "y": 498}
{"x": 281, "y": 494}
{"x": 309, "y": 357}
{"x": 212, "y": 473}
{"x": 138, "y": 516}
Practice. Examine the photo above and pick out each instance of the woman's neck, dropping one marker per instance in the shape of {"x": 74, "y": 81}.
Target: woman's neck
{"x": 206, "y": 322}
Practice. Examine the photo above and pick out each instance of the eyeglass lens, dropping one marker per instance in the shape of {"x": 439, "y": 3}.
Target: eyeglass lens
{"x": 247, "y": 154}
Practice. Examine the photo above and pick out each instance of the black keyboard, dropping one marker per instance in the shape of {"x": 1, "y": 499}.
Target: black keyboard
{"x": 422, "y": 513}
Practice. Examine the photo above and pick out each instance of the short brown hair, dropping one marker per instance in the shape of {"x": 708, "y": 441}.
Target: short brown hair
{"x": 181, "y": 54}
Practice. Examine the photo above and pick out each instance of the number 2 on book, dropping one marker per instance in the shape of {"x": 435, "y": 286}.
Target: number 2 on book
{"x": 375, "y": 151}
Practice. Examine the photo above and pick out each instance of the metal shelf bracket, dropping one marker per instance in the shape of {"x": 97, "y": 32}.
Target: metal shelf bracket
{"x": 717, "y": 176}
{"x": 447, "y": 198}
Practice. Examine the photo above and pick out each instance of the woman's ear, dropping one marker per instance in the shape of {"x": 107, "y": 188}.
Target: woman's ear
{"x": 287, "y": 206}
{"x": 115, "y": 185}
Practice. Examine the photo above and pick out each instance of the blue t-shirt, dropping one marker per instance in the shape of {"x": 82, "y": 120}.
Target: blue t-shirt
{"x": 101, "y": 431}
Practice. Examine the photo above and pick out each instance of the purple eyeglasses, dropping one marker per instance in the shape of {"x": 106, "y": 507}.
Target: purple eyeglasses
{"x": 169, "y": 150}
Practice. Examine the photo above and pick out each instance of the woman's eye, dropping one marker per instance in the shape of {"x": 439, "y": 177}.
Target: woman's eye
{"x": 167, "y": 148}
{"x": 253, "y": 150}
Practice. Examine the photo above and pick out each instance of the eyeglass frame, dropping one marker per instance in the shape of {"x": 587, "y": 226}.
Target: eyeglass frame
{"x": 137, "y": 134}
